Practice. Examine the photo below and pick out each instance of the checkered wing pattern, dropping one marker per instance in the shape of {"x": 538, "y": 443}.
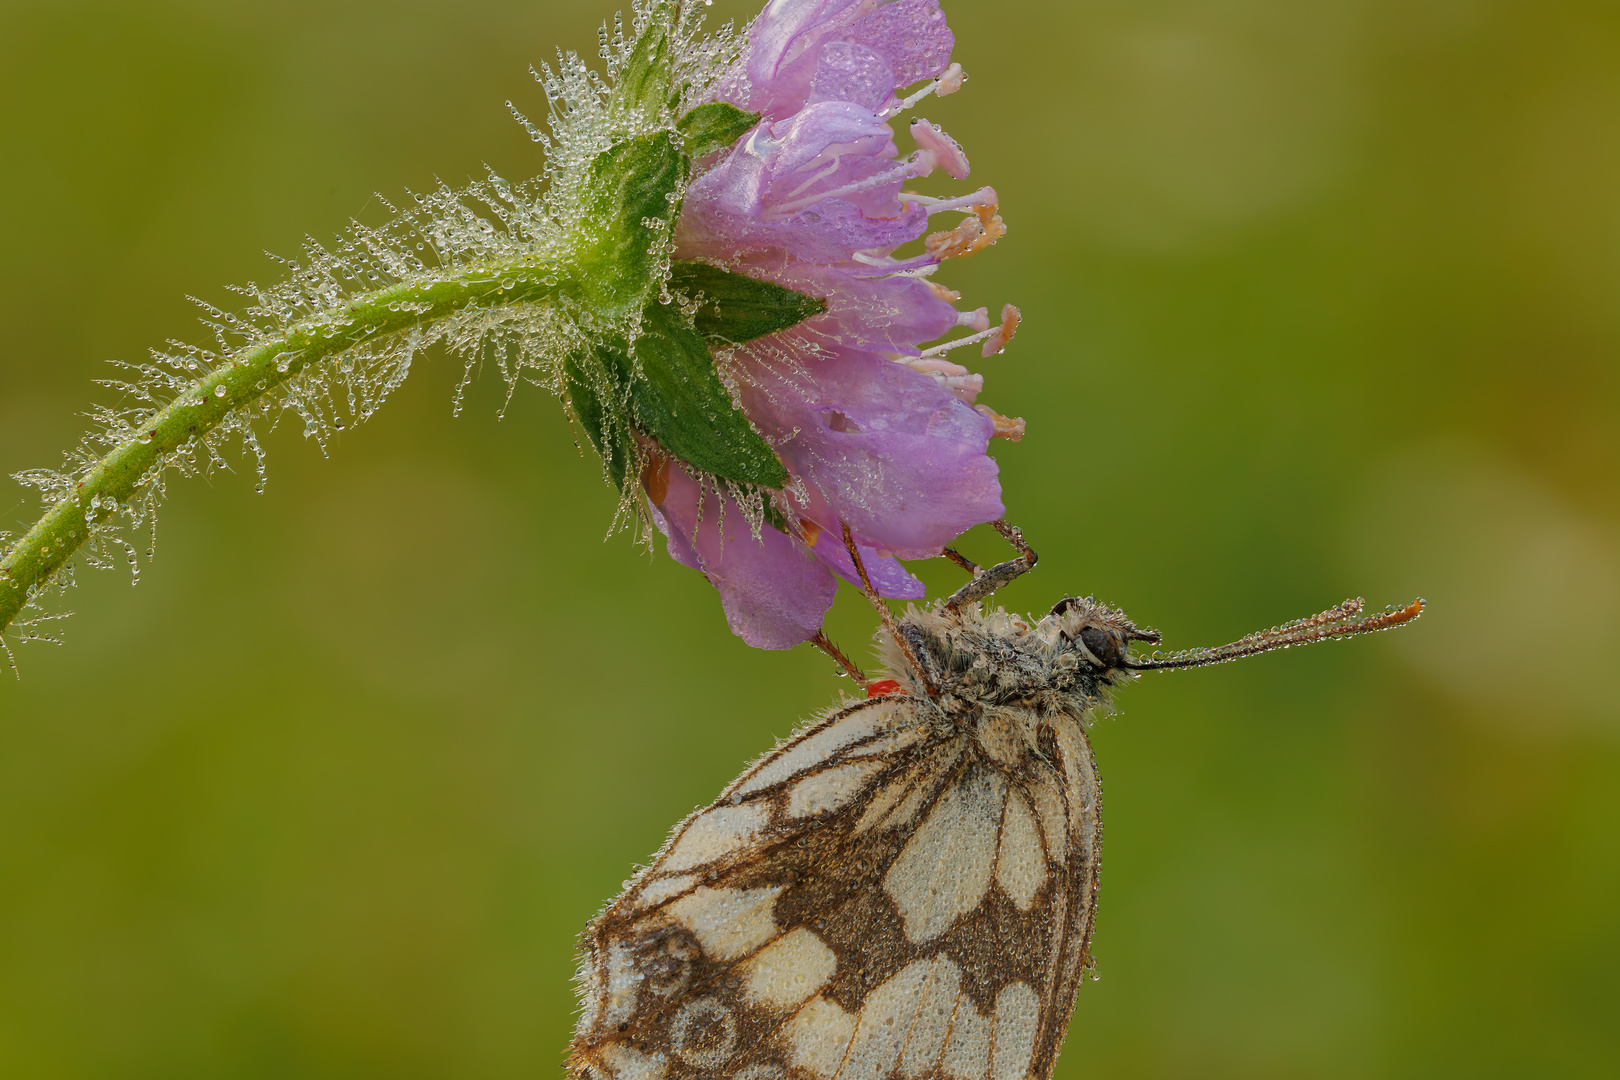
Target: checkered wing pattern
{"x": 879, "y": 896}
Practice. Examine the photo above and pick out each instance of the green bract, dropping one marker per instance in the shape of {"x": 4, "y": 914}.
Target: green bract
{"x": 733, "y": 309}
{"x": 668, "y": 379}
{"x": 714, "y": 126}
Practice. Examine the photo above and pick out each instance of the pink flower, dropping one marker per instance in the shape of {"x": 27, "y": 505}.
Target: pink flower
{"x": 879, "y": 433}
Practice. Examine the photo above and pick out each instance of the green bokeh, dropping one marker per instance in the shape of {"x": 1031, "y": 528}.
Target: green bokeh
{"x": 1322, "y": 299}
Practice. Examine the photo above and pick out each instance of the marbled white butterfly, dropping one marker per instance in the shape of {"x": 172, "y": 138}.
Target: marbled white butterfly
{"x": 906, "y": 887}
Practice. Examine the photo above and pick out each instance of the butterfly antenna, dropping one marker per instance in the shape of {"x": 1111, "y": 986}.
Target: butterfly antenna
{"x": 988, "y": 581}
{"x": 1335, "y": 622}
{"x": 886, "y": 615}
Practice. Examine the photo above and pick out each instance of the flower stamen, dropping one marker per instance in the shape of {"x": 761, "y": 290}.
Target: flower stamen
{"x": 954, "y": 378}
{"x": 1010, "y": 428}
{"x": 917, "y": 165}
{"x": 995, "y": 338}
{"x": 1010, "y": 318}
{"x": 948, "y": 83}
{"x": 971, "y": 234}
{"x": 985, "y": 196}
{"x": 947, "y": 153}
{"x": 957, "y": 343}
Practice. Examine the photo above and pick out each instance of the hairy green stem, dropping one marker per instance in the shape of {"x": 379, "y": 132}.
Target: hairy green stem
{"x": 237, "y": 382}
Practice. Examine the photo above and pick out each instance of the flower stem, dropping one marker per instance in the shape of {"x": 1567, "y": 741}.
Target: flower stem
{"x": 238, "y": 381}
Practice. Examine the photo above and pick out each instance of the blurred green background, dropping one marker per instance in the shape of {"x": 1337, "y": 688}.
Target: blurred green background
{"x": 1322, "y": 299}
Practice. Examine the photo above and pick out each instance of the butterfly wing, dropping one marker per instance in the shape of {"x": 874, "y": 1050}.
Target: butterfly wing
{"x": 876, "y": 897}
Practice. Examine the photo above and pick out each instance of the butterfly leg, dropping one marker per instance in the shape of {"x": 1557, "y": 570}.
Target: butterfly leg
{"x": 963, "y": 561}
{"x": 885, "y": 614}
{"x": 824, "y": 643}
{"x": 988, "y": 581}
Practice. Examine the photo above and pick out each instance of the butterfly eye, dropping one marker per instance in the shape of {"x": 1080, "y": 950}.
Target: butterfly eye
{"x": 1105, "y": 645}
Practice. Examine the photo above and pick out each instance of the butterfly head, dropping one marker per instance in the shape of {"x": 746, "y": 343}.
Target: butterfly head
{"x": 1101, "y": 634}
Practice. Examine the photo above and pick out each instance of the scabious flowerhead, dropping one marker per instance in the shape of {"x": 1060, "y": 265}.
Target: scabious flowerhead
{"x": 879, "y": 434}
{"x": 705, "y": 272}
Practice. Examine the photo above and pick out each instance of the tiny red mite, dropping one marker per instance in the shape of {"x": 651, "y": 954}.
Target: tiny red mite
{"x": 882, "y": 688}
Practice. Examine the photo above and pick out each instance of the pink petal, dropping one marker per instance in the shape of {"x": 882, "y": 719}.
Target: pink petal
{"x": 775, "y": 592}
{"x": 880, "y": 446}
{"x": 888, "y": 577}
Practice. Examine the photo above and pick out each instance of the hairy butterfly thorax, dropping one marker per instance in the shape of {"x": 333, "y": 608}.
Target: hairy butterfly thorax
{"x": 993, "y": 658}
{"x": 906, "y": 887}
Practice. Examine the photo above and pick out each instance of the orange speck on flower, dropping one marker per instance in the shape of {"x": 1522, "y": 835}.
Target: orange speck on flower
{"x": 882, "y": 688}
{"x": 655, "y": 477}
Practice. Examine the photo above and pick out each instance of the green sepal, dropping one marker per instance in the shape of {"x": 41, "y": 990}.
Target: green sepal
{"x": 645, "y": 76}
{"x": 736, "y": 308}
{"x": 632, "y": 182}
{"x": 673, "y": 395}
{"x": 612, "y": 441}
{"x": 672, "y": 392}
{"x": 714, "y": 126}
{"x": 680, "y": 401}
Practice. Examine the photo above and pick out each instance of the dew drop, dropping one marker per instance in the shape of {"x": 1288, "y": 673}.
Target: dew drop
{"x": 219, "y": 391}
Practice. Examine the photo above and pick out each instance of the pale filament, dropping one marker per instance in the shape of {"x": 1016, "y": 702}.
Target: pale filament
{"x": 948, "y": 83}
